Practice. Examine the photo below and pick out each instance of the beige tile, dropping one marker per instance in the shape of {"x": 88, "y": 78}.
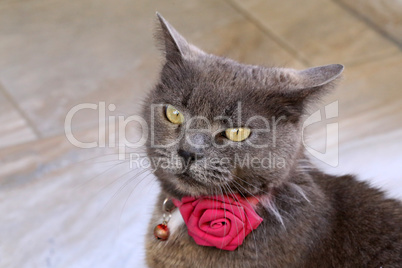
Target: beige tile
{"x": 385, "y": 14}
{"x": 321, "y": 31}
{"x": 76, "y": 51}
{"x": 63, "y": 206}
{"x": 14, "y": 128}
{"x": 243, "y": 41}
{"x": 370, "y": 99}
{"x": 370, "y": 124}
{"x": 371, "y": 92}
{"x": 90, "y": 51}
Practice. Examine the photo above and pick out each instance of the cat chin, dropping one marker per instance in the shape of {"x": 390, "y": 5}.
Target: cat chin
{"x": 179, "y": 183}
{"x": 192, "y": 186}
{"x": 204, "y": 181}
{"x": 179, "y": 186}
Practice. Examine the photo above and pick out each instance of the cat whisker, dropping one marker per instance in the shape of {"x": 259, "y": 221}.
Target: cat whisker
{"x": 132, "y": 191}
{"x": 219, "y": 169}
{"x": 215, "y": 202}
{"x": 224, "y": 207}
{"x": 122, "y": 176}
{"x": 234, "y": 197}
{"x": 123, "y": 186}
{"x": 255, "y": 187}
{"x": 98, "y": 175}
{"x": 111, "y": 154}
{"x": 270, "y": 205}
{"x": 245, "y": 190}
{"x": 299, "y": 190}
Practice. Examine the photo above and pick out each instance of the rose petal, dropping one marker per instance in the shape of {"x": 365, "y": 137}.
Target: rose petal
{"x": 210, "y": 216}
{"x": 234, "y": 203}
{"x": 236, "y": 228}
{"x": 176, "y": 202}
{"x": 231, "y": 205}
{"x": 217, "y": 224}
{"x": 186, "y": 211}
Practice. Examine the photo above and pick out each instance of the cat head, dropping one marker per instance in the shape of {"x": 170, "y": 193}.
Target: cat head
{"x": 218, "y": 126}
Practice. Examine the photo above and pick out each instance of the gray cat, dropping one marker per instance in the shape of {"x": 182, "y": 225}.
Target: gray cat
{"x": 213, "y": 124}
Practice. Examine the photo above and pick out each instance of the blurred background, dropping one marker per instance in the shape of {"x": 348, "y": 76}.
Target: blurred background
{"x": 63, "y": 206}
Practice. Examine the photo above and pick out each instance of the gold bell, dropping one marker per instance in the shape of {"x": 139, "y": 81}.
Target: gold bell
{"x": 161, "y": 232}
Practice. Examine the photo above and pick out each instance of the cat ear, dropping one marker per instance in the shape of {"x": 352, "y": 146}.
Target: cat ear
{"x": 309, "y": 84}
{"x": 317, "y": 76}
{"x": 301, "y": 89}
{"x": 174, "y": 45}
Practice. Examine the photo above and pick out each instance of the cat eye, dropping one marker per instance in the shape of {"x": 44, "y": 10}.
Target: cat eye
{"x": 237, "y": 134}
{"x": 174, "y": 115}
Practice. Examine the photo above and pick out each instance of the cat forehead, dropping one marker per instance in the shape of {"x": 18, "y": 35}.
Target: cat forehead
{"x": 221, "y": 74}
{"x": 217, "y": 69}
{"x": 210, "y": 91}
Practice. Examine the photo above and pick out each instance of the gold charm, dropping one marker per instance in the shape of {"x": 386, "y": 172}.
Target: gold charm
{"x": 161, "y": 231}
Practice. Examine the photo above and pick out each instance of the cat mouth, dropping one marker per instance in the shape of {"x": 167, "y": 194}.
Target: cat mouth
{"x": 186, "y": 176}
{"x": 190, "y": 180}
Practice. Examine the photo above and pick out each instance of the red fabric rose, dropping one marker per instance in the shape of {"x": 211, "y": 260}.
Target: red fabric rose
{"x": 219, "y": 221}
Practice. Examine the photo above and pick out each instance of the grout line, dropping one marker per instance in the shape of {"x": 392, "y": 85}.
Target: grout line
{"x": 277, "y": 39}
{"x": 369, "y": 23}
{"x": 13, "y": 3}
{"x": 373, "y": 58}
{"x": 54, "y": 136}
{"x": 20, "y": 111}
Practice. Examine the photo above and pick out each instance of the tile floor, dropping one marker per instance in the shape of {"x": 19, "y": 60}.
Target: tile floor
{"x": 62, "y": 206}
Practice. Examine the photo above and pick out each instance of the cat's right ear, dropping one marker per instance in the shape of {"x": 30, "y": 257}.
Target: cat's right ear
{"x": 173, "y": 45}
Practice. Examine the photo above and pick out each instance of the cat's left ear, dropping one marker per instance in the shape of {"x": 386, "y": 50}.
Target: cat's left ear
{"x": 316, "y": 77}
{"x": 304, "y": 87}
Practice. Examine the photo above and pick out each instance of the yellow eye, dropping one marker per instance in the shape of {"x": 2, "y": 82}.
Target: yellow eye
{"x": 237, "y": 134}
{"x": 174, "y": 115}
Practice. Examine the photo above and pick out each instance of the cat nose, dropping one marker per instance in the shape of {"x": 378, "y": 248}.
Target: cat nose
{"x": 192, "y": 147}
{"x": 189, "y": 156}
